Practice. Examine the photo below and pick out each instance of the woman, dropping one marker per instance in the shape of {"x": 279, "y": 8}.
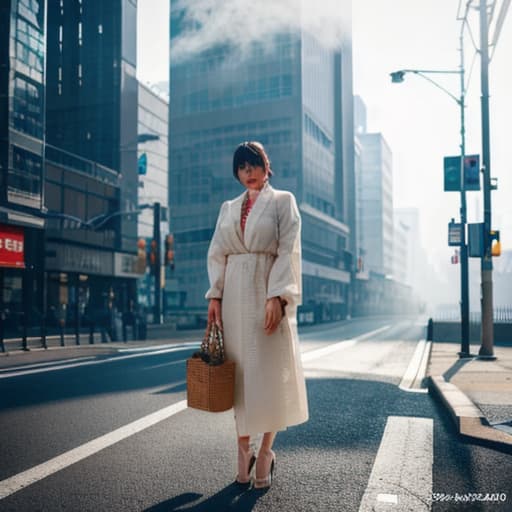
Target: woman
{"x": 254, "y": 267}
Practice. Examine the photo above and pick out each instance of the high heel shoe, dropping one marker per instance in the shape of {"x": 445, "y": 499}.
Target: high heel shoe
{"x": 247, "y": 480}
{"x": 265, "y": 482}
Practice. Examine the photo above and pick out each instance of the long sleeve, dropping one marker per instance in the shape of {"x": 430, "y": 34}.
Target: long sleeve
{"x": 285, "y": 279}
{"x": 216, "y": 261}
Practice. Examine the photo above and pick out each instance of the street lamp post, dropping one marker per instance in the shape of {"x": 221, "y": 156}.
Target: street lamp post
{"x": 397, "y": 77}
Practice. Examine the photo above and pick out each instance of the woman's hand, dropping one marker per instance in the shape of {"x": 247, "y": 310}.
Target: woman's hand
{"x": 215, "y": 312}
{"x": 273, "y": 314}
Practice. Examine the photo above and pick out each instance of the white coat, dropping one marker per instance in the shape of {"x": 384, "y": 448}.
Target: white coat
{"x": 244, "y": 270}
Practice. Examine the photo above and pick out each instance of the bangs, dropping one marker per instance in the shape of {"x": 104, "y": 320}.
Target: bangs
{"x": 247, "y": 154}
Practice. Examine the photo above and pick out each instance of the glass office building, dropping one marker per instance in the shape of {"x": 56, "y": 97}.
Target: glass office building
{"x": 92, "y": 91}
{"x": 296, "y": 98}
{"x": 22, "y": 106}
{"x": 376, "y": 198}
{"x": 91, "y": 158}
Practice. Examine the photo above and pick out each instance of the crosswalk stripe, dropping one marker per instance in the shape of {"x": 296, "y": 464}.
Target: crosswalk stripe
{"x": 401, "y": 478}
{"x": 329, "y": 349}
{"x": 30, "y": 476}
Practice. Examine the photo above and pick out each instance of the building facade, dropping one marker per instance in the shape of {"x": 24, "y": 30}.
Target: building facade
{"x": 91, "y": 161}
{"x": 153, "y": 182}
{"x": 22, "y": 116}
{"x": 296, "y": 99}
{"x": 376, "y": 203}
{"x": 92, "y": 92}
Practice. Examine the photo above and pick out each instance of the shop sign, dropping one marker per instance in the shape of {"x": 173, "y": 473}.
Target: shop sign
{"x": 126, "y": 265}
{"x": 12, "y": 247}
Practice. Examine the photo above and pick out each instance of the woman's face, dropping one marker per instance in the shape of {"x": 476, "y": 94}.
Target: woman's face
{"x": 252, "y": 177}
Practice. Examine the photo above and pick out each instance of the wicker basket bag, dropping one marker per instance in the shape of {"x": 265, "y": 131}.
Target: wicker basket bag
{"x": 210, "y": 377}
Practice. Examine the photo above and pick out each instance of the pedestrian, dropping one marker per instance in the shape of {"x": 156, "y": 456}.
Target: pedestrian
{"x": 254, "y": 268}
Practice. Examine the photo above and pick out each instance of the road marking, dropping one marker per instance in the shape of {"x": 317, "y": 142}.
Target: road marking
{"x": 417, "y": 368}
{"x": 159, "y": 347}
{"x": 98, "y": 361}
{"x": 40, "y": 365}
{"x": 387, "y": 498}
{"x": 30, "y": 476}
{"x": 320, "y": 352}
{"x": 402, "y": 467}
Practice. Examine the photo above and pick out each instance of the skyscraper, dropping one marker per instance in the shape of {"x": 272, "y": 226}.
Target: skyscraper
{"x": 91, "y": 156}
{"x": 376, "y": 198}
{"x": 92, "y": 91}
{"x": 296, "y": 98}
{"x": 22, "y": 83}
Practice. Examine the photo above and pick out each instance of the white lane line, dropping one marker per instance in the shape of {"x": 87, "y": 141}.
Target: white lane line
{"x": 100, "y": 361}
{"x": 30, "y": 476}
{"x": 329, "y": 349}
{"x": 417, "y": 368}
{"x": 41, "y": 365}
{"x": 158, "y": 347}
{"x": 401, "y": 478}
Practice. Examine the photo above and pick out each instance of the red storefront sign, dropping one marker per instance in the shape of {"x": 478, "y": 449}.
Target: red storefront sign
{"x": 12, "y": 247}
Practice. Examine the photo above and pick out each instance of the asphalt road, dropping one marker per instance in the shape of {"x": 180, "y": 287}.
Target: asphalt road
{"x": 112, "y": 433}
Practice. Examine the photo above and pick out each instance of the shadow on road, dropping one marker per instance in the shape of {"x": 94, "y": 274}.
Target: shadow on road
{"x": 231, "y": 498}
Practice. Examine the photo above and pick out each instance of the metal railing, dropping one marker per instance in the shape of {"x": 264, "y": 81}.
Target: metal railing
{"x": 501, "y": 314}
{"x": 80, "y": 164}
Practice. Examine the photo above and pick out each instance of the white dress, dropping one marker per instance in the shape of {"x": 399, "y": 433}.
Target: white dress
{"x": 244, "y": 270}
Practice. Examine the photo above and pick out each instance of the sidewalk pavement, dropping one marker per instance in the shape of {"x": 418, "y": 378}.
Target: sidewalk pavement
{"x": 477, "y": 393}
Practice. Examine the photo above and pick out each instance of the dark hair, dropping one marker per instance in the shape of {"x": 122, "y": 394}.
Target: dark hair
{"x": 254, "y": 154}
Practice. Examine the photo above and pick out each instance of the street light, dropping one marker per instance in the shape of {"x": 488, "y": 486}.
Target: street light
{"x": 398, "y": 77}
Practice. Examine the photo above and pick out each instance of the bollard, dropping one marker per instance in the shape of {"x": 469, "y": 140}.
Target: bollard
{"x": 61, "y": 328}
{"x": 24, "y": 336}
{"x": 430, "y": 330}
{"x": 91, "y": 333}
{"x": 2, "y": 319}
{"x": 43, "y": 332}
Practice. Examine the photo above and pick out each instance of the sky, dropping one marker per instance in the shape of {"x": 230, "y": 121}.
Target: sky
{"x": 420, "y": 123}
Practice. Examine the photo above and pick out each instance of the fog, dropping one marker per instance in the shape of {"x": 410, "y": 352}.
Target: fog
{"x": 241, "y": 23}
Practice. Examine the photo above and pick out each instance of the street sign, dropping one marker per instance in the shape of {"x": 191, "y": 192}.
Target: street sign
{"x": 452, "y": 174}
{"x": 472, "y": 172}
{"x": 454, "y": 233}
{"x": 476, "y": 240}
{"x": 143, "y": 164}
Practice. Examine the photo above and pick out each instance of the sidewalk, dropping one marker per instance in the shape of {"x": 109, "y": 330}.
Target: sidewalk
{"x": 477, "y": 393}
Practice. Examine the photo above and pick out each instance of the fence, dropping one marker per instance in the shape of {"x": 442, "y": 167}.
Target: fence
{"x": 502, "y": 314}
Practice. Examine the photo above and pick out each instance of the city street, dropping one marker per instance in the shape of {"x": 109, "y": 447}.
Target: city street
{"x": 112, "y": 432}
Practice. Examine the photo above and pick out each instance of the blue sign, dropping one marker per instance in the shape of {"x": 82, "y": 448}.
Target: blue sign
{"x": 143, "y": 164}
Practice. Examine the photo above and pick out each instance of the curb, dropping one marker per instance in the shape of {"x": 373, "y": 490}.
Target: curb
{"x": 468, "y": 418}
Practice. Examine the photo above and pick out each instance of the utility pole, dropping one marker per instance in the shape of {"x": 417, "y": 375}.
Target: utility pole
{"x": 464, "y": 258}
{"x": 157, "y": 315}
{"x": 487, "y": 347}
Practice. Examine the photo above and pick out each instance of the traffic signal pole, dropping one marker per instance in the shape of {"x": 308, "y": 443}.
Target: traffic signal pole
{"x": 487, "y": 334}
{"x": 157, "y": 313}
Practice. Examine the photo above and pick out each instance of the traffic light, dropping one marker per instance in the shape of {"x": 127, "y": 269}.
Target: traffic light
{"x": 452, "y": 174}
{"x": 153, "y": 256}
{"x": 495, "y": 243}
{"x": 472, "y": 172}
{"x": 169, "y": 251}
{"x": 455, "y": 258}
{"x": 141, "y": 256}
